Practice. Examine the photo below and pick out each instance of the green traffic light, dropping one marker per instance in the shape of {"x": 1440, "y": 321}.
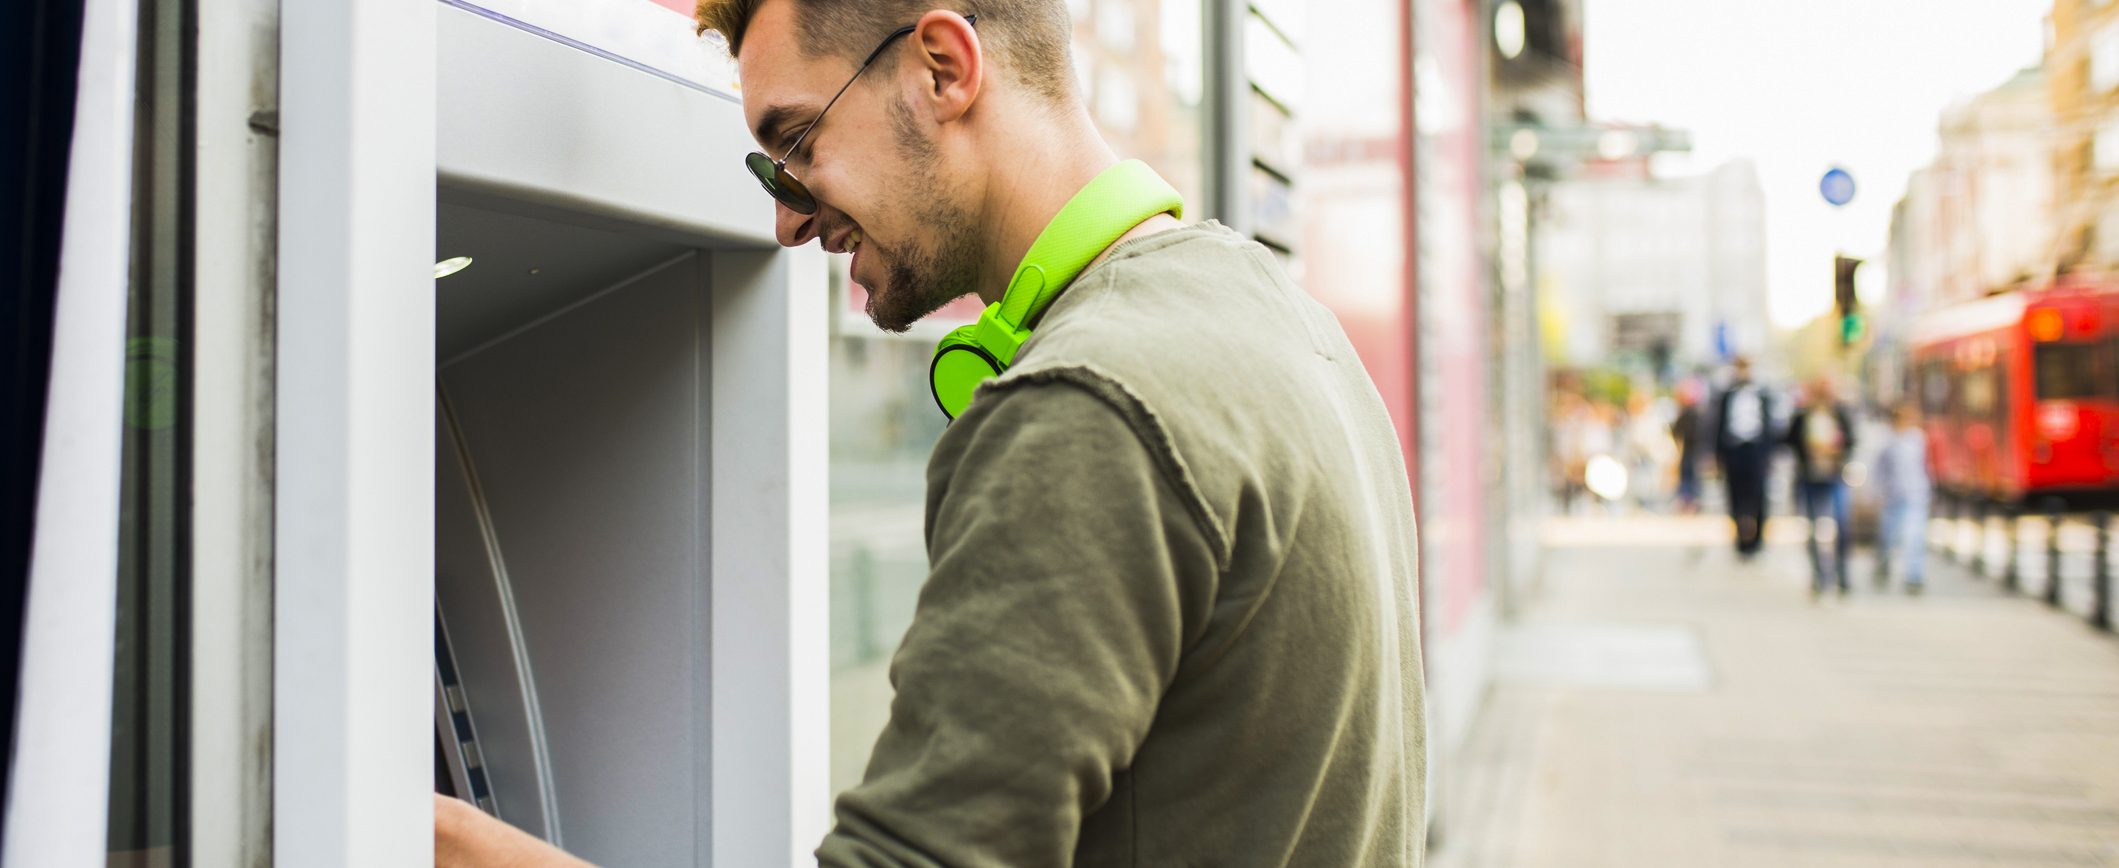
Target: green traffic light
{"x": 1850, "y": 328}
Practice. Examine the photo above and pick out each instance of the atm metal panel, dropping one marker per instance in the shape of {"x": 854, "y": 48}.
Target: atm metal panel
{"x": 583, "y": 434}
{"x": 470, "y": 595}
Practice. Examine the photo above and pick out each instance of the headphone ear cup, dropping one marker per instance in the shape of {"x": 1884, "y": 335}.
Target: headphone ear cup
{"x": 1100, "y": 213}
{"x": 959, "y": 366}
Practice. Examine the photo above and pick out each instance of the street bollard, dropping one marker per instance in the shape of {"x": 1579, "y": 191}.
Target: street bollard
{"x": 1960, "y": 514}
{"x": 1979, "y": 538}
{"x": 2052, "y": 552}
{"x": 2011, "y": 518}
{"x": 2101, "y": 585}
{"x": 1949, "y": 536}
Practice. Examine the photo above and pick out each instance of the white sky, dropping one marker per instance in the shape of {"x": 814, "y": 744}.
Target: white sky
{"x": 1799, "y": 86}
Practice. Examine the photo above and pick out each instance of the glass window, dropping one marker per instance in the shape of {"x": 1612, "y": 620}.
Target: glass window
{"x": 148, "y": 752}
{"x": 2106, "y": 231}
{"x": 1117, "y": 105}
{"x": 2076, "y": 371}
{"x": 1979, "y": 392}
{"x": 2104, "y": 149}
{"x": 1272, "y": 64}
{"x": 1114, "y": 25}
{"x": 1287, "y": 15}
{"x": 883, "y": 424}
{"x": 1935, "y": 388}
{"x": 2104, "y": 60}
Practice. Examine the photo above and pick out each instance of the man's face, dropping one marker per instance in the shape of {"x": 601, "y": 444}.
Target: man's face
{"x": 873, "y": 166}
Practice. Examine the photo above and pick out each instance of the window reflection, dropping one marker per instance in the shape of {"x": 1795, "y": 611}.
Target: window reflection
{"x": 148, "y": 779}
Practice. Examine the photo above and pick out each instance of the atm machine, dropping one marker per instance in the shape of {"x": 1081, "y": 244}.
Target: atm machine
{"x": 605, "y": 403}
{"x": 621, "y": 646}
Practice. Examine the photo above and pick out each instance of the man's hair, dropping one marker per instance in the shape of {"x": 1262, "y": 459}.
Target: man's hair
{"x": 1030, "y": 38}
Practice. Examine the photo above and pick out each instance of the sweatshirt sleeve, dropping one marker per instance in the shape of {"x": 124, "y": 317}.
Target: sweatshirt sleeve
{"x": 1067, "y": 578}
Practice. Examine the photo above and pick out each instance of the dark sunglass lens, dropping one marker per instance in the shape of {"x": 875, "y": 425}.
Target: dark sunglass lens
{"x": 783, "y": 186}
{"x": 792, "y": 194}
{"x": 763, "y": 168}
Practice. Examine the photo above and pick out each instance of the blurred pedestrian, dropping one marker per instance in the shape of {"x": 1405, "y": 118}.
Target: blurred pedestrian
{"x": 1600, "y": 439}
{"x": 1743, "y": 445}
{"x": 1570, "y": 435}
{"x": 1822, "y": 437}
{"x": 1648, "y": 450}
{"x": 1902, "y": 476}
{"x": 1690, "y": 433}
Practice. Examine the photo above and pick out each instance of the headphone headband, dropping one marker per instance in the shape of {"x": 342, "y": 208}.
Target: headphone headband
{"x": 1114, "y": 202}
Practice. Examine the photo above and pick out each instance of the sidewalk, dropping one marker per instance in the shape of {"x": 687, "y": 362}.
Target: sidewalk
{"x": 1661, "y": 705}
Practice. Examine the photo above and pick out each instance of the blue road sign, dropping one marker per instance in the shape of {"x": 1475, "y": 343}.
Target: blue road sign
{"x": 1838, "y": 186}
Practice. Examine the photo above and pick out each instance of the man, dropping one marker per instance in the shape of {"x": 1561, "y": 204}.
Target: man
{"x": 1744, "y": 449}
{"x": 1170, "y": 615}
{"x": 1822, "y": 437}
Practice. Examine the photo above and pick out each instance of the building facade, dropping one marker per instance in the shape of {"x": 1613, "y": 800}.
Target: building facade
{"x": 1995, "y": 209}
{"x": 2082, "y": 83}
{"x": 1982, "y": 216}
{"x": 1654, "y": 273}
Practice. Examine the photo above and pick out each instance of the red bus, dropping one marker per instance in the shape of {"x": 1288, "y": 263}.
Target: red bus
{"x": 2020, "y": 393}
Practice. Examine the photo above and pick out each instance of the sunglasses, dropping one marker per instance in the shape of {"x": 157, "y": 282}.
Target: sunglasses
{"x": 773, "y": 174}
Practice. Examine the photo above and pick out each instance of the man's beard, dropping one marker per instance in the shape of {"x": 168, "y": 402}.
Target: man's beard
{"x": 924, "y": 277}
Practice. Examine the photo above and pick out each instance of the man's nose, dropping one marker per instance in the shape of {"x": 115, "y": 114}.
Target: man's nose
{"x": 793, "y": 229}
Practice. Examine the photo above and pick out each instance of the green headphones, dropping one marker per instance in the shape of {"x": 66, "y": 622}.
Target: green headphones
{"x": 1114, "y": 202}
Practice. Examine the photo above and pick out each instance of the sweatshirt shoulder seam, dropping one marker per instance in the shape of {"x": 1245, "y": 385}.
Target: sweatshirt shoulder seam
{"x": 1147, "y": 427}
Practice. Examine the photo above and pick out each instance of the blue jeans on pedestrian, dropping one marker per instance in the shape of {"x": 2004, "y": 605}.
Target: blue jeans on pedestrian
{"x": 1818, "y": 497}
{"x": 1904, "y": 536}
{"x": 1688, "y": 492}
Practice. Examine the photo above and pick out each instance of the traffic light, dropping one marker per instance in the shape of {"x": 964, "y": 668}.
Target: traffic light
{"x": 1850, "y": 328}
{"x": 1844, "y": 301}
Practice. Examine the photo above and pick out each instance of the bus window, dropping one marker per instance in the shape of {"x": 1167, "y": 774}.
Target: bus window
{"x": 1977, "y": 392}
{"x": 1934, "y": 388}
{"x": 2075, "y": 371}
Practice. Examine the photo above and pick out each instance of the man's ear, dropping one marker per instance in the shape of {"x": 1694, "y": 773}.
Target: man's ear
{"x": 952, "y": 64}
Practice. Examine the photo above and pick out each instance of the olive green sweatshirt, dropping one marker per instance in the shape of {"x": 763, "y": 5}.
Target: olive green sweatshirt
{"x": 1170, "y": 620}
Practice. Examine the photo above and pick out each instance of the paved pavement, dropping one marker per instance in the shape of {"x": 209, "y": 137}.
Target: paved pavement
{"x": 1660, "y": 704}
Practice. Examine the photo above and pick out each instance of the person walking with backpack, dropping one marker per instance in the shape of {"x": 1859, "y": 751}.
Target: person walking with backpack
{"x": 1742, "y": 443}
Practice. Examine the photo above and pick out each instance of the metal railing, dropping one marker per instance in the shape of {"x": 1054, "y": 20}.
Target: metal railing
{"x": 2075, "y": 572}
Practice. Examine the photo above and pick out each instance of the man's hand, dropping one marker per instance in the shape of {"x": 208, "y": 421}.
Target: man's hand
{"x": 465, "y": 837}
